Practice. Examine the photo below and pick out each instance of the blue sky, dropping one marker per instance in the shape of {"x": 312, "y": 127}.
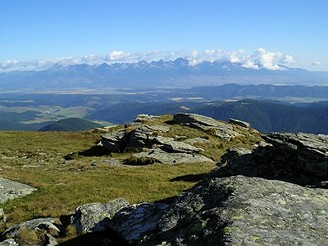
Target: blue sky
{"x": 39, "y": 33}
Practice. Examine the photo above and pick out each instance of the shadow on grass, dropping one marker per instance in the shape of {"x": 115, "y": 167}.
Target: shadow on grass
{"x": 189, "y": 178}
{"x": 93, "y": 151}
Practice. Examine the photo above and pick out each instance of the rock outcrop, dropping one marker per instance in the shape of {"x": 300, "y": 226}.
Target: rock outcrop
{"x": 136, "y": 221}
{"x": 241, "y": 210}
{"x": 11, "y": 189}
{"x": 152, "y": 143}
{"x": 87, "y": 217}
{"x": 239, "y": 122}
{"x": 220, "y": 129}
{"x": 161, "y": 156}
{"x": 297, "y": 158}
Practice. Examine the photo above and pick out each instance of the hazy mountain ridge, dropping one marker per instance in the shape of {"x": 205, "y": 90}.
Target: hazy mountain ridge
{"x": 70, "y": 124}
{"x": 265, "y": 116}
{"x": 177, "y": 73}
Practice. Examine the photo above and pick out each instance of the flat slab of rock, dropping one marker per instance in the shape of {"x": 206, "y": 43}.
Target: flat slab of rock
{"x": 170, "y": 145}
{"x": 240, "y": 123}
{"x": 172, "y": 158}
{"x": 220, "y": 129}
{"x": 11, "y": 189}
{"x": 242, "y": 210}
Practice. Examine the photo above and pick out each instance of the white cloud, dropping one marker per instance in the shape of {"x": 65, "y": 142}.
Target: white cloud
{"x": 315, "y": 63}
{"x": 260, "y": 58}
{"x": 92, "y": 58}
{"x": 8, "y": 64}
{"x": 117, "y": 56}
{"x": 266, "y": 59}
{"x": 197, "y": 57}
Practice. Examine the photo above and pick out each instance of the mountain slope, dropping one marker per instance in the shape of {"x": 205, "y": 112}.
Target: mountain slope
{"x": 265, "y": 116}
{"x": 70, "y": 124}
{"x": 272, "y": 116}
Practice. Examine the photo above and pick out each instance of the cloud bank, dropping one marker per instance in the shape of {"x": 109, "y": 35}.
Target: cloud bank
{"x": 261, "y": 58}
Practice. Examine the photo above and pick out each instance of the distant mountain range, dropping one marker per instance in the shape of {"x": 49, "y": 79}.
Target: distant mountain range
{"x": 160, "y": 74}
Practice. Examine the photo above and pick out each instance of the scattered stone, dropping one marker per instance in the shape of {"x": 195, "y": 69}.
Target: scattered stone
{"x": 240, "y": 123}
{"x": 86, "y": 217}
{"x": 11, "y": 189}
{"x": 114, "y": 162}
{"x": 144, "y": 117}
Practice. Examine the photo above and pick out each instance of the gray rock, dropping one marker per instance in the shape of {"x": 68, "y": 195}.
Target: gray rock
{"x": 170, "y": 145}
{"x": 310, "y": 147}
{"x": 195, "y": 119}
{"x": 114, "y": 141}
{"x": 242, "y": 210}
{"x": 143, "y": 136}
{"x": 297, "y": 158}
{"x": 240, "y": 123}
{"x": 11, "y": 189}
{"x": 43, "y": 228}
{"x": 171, "y": 158}
{"x": 208, "y": 124}
{"x": 86, "y": 217}
{"x": 134, "y": 221}
{"x": 9, "y": 242}
{"x": 144, "y": 117}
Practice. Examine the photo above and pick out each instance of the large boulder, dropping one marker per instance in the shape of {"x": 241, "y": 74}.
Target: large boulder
{"x": 143, "y": 136}
{"x": 298, "y": 158}
{"x": 312, "y": 150}
{"x": 87, "y": 217}
{"x": 135, "y": 221}
{"x": 114, "y": 141}
{"x": 243, "y": 210}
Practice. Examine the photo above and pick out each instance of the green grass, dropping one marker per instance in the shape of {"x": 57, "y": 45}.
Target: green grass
{"x": 38, "y": 159}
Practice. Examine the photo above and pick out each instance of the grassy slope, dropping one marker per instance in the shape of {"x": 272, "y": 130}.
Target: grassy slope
{"x": 37, "y": 158}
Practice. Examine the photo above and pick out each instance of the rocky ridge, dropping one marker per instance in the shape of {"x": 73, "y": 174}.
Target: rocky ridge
{"x": 274, "y": 194}
{"x": 152, "y": 144}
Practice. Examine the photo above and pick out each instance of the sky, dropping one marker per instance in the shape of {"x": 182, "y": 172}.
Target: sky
{"x": 36, "y": 34}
